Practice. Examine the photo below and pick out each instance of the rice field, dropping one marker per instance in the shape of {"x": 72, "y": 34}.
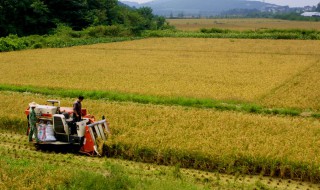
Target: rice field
{"x": 241, "y": 24}
{"x": 223, "y": 69}
{"x": 169, "y": 135}
{"x": 271, "y": 73}
{"x": 301, "y": 90}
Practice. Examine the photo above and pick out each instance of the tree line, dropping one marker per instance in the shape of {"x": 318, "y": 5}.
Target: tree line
{"x": 28, "y": 17}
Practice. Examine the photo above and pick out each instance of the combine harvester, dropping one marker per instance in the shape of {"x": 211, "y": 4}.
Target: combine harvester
{"x": 56, "y": 127}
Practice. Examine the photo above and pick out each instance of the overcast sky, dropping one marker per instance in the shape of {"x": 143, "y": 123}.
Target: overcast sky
{"x": 291, "y": 3}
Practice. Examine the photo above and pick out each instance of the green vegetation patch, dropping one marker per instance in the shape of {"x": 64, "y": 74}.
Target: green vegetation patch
{"x": 67, "y": 39}
{"x": 148, "y": 99}
{"x": 297, "y": 34}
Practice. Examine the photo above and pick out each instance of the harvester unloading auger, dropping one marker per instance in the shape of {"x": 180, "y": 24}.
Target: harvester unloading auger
{"x": 56, "y": 127}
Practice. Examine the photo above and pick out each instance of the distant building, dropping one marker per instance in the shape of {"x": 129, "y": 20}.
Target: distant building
{"x": 275, "y": 8}
{"x": 309, "y": 8}
{"x": 311, "y": 14}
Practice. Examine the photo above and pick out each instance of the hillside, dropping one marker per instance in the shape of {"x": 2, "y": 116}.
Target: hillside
{"x": 203, "y": 7}
{"x": 131, "y": 4}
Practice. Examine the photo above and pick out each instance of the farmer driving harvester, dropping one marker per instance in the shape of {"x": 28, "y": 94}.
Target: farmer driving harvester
{"x": 77, "y": 115}
{"x": 77, "y": 109}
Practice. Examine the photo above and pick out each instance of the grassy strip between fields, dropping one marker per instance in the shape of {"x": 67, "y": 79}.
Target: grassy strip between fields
{"x": 149, "y": 99}
{"x": 296, "y": 34}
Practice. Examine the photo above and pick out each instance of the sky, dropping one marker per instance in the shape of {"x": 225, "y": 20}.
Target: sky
{"x": 291, "y": 3}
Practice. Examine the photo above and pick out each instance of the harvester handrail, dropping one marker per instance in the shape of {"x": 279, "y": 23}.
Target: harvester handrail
{"x": 97, "y": 123}
{"x": 54, "y": 101}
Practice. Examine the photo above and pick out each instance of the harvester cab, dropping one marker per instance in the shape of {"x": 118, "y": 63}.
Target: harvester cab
{"x": 56, "y": 127}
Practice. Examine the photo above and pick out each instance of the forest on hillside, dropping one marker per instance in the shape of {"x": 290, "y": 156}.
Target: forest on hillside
{"x": 29, "y": 17}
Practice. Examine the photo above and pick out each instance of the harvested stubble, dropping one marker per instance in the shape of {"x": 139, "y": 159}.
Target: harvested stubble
{"x": 224, "y": 69}
{"x": 19, "y": 159}
{"x": 241, "y": 24}
{"x": 204, "y": 139}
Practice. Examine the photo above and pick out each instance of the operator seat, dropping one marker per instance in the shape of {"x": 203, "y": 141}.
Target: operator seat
{"x": 60, "y": 125}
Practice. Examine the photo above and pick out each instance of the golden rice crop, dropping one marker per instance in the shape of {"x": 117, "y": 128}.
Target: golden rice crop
{"x": 302, "y": 91}
{"x": 241, "y": 24}
{"x": 211, "y": 133}
{"x": 203, "y": 68}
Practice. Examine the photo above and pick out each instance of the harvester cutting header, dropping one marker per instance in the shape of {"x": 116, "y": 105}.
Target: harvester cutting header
{"x": 55, "y": 125}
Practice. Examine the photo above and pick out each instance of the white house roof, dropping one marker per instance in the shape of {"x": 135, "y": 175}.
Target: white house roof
{"x": 310, "y": 14}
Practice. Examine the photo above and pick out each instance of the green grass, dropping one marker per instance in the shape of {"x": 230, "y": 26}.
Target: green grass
{"x": 297, "y": 34}
{"x": 14, "y": 43}
{"x": 36, "y": 170}
{"x": 148, "y": 99}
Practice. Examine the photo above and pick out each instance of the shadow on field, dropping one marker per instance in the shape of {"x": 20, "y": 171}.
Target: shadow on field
{"x": 64, "y": 149}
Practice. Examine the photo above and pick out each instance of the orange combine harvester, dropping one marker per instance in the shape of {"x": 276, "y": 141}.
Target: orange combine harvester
{"x": 56, "y": 127}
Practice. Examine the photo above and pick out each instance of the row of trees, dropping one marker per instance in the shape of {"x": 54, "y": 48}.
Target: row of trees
{"x": 26, "y": 17}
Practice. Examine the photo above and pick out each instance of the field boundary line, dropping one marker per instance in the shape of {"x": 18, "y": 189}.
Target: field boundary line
{"x": 203, "y": 51}
{"x": 233, "y": 34}
{"x": 288, "y": 81}
{"x": 159, "y": 100}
